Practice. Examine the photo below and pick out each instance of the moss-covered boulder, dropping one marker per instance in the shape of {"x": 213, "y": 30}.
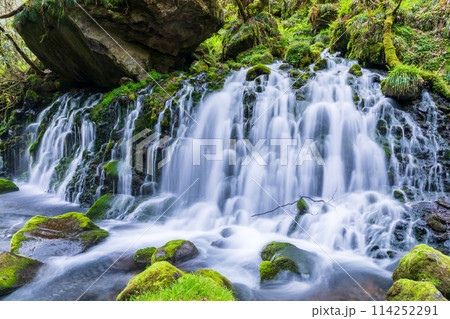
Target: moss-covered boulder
{"x": 256, "y": 71}
{"x": 424, "y": 263}
{"x": 7, "y": 186}
{"x": 16, "y": 271}
{"x": 65, "y": 235}
{"x": 143, "y": 257}
{"x": 217, "y": 277}
{"x": 355, "y": 69}
{"x": 190, "y": 287}
{"x": 403, "y": 83}
{"x": 300, "y": 55}
{"x": 280, "y": 256}
{"x": 158, "y": 276}
{"x": 175, "y": 251}
{"x": 100, "y": 207}
{"x": 410, "y": 290}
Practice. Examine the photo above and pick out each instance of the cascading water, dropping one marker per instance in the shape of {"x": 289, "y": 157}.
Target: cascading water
{"x": 68, "y": 135}
{"x": 335, "y": 139}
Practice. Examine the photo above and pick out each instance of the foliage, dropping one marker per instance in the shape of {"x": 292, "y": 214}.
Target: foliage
{"x": 7, "y": 186}
{"x": 403, "y": 82}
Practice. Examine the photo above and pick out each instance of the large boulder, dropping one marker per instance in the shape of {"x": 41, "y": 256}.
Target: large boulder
{"x": 143, "y": 257}
{"x": 7, "y": 186}
{"x": 65, "y": 235}
{"x": 16, "y": 271}
{"x": 409, "y": 290}
{"x": 424, "y": 263}
{"x": 158, "y": 276}
{"x": 175, "y": 251}
{"x": 125, "y": 35}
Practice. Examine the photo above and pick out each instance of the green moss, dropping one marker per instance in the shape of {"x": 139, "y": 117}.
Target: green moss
{"x": 271, "y": 249}
{"x": 143, "y": 257}
{"x": 15, "y": 271}
{"x": 155, "y": 278}
{"x": 214, "y": 275}
{"x": 400, "y": 196}
{"x": 300, "y": 55}
{"x": 302, "y": 207}
{"x": 7, "y": 186}
{"x": 89, "y": 232}
{"x": 190, "y": 288}
{"x": 409, "y": 290}
{"x": 111, "y": 169}
{"x": 285, "y": 263}
{"x": 355, "y": 70}
{"x": 321, "y": 65}
{"x": 403, "y": 82}
{"x": 169, "y": 250}
{"x": 256, "y": 71}
{"x": 424, "y": 263}
{"x": 268, "y": 271}
{"x": 100, "y": 207}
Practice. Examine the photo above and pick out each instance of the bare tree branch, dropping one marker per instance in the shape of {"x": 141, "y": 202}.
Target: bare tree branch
{"x": 13, "y": 13}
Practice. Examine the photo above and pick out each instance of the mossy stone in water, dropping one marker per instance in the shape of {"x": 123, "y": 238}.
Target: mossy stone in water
{"x": 100, "y": 207}
{"x": 217, "y": 277}
{"x": 355, "y": 70}
{"x": 111, "y": 169}
{"x": 268, "y": 271}
{"x": 143, "y": 257}
{"x": 409, "y": 290}
{"x": 7, "y": 186}
{"x": 256, "y": 71}
{"x": 65, "y": 235}
{"x": 427, "y": 264}
{"x": 16, "y": 271}
{"x": 175, "y": 251}
{"x": 158, "y": 276}
{"x": 269, "y": 251}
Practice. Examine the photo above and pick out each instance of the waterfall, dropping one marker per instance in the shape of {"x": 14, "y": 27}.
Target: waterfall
{"x": 68, "y": 135}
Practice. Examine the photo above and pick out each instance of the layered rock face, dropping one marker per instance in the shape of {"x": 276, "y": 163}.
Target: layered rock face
{"x": 99, "y": 45}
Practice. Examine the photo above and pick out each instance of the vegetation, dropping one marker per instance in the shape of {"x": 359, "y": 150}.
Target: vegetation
{"x": 143, "y": 257}
{"x": 7, "y": 186}
{"x": 15, "y": 271}
{"x": 409, "y": 290}
{"x": 403, "y": 82}
{"x": 100, "y": 207}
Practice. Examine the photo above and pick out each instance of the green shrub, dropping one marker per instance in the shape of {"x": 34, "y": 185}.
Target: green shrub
{"x": 403, "y": 82}
{"x": 300, "y": 55}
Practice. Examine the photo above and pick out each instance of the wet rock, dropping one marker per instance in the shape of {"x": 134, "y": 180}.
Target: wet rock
{"x": 16, "y": 271}
{"x": 409, "y": 290}
{"x": 256, "y": 71}
{"x": 424, "y": 263}
{"x": 221, "y": 280}
{"x": 355, "y": 70}
{"x": 100, "y": 207}
{"x": 65, "y": 235}
{"x": 143, "y": 257}
{"x": 175, "y": 251}
{"x": 7, "y": 186}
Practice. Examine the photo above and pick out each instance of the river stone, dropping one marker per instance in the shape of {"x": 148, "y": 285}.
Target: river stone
{"x": 16, "y": 271}
{"x": 409, "y": 290}
{"x": 158, "y": 35}
{"x": 7, "y": 186}
{"x": 175, "y": 251}
{"x": 424, "y": 263}
{"x": 66, "y": 235}
{"x": 143, "y": 257}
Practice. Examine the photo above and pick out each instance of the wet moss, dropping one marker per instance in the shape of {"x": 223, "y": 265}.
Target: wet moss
{"x": 271, "y": 249}
{"x": 100, "y": 207}
{"x": 355, "y": 70}
{"x": 111, "y": 169}
{"x": 424, "y": 263}
{"x": 158, "y": 276}
{"x": 300, "y": 55}
{"x": 285, "y": 263}
{"x": 175, "y": 251}
{"x": 409, "y": 290}
{"x": 217, "y": 277}
{"x": 256, "y": 71}
{"x": 143, "y": 257}
{"x": 7, "y": 186}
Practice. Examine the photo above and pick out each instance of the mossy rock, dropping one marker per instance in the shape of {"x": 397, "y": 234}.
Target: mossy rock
{"x": 175, "y": 251}
{"x": 409, "y": 290}
{"x": 16, "y": 271}
{"x": 269, "y": 251}
{"x": 424, "y": 263}
{"x": 268, "y": 271}
{"x": 217, "y": 277}
{"x": 7, "y": 186}
{"x": 399, "y": 195}
{"x": 355, "y": 69}
{"x": 112, "y": 169}
{"x": 65, "y": 235}
{"x": 190, "y": 287}
{"x": 300, "y": 55}
{"x": 322, "y": 64}
{"x": 302, "y": 207}
{"x": 403, "y": 83}
{"x": 100, "y": 207}
{"x": 285, "y": 263}
{"x": 158, "y": 276}
{"x": 256, "y": 71}
{"x": 143, "y": 257}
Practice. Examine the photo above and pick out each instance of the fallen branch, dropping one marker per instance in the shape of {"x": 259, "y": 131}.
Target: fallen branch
{"x": 13, "y": 13}
{"x": 293, "y": 203}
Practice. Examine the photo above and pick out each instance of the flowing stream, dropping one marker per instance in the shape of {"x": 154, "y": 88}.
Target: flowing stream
{"x": 247, "y": 149}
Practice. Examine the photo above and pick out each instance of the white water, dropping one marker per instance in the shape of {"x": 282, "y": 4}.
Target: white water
{"x": 199, "y": 201}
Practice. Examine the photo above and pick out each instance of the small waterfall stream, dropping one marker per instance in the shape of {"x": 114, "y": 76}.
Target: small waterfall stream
{"x": 336, "y": 139}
